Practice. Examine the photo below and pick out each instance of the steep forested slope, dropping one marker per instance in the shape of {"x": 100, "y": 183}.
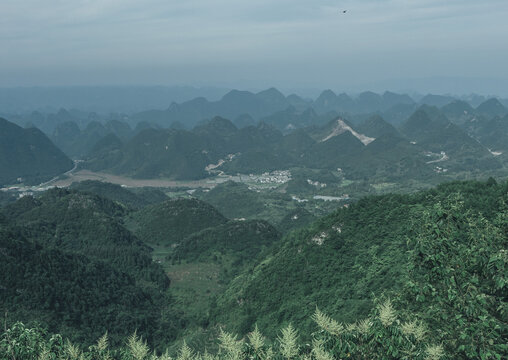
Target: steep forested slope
{"x": 435, "y": 133}
{"x": 491, "y": 107}
{"x": 423, "y": 250}
{"x": 86, "y": 224}
{"x": 73, "y": 294}
{"x": 28, "y": 156}
{"x": 328, "y": 264}
{"x": 295, "y": 219}
{"x": 174, "y": 154}
{"x": 391, "y": 158}
{"x": 375, "y": 126}
{"x": 492, "y": 133}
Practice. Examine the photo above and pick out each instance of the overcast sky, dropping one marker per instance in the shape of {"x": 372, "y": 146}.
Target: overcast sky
{"x": 393, "y": 44}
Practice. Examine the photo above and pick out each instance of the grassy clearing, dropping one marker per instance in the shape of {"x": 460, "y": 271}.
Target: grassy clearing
{"x": 199, "y": 277}
{"x": 192, "y": 285}
{"x": 192, "y": 288}
{"x": 384, "y": 186}
{"x": 345, "y": 183}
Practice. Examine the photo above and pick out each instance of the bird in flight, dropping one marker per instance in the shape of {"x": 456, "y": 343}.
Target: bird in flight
{"x": 344, "y": 11}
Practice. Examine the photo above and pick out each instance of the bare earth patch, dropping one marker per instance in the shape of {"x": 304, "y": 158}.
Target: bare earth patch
{"x": 83, "y": 175}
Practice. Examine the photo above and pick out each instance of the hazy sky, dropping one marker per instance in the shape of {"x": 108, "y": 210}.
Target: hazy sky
{"x": 234, "y": 43}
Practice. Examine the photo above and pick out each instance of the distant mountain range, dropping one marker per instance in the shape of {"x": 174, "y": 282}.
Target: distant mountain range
{"x": 269, "y": 131}
{"x": 242, "y": 107}
{"x": 426, "y": 144}
{"x": 232, "y": 105}
{"x": 77, "y": 143}
{"x": 273, "y": 107}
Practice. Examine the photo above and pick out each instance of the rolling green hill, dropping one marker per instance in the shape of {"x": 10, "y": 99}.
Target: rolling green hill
{"x": 234, "y": 200}
{"x": 169, "y": 222}
{"x": 132, "y": 198}
{"x": 76, "y": 143}
{"x": 79, "y": 144}
{"x": 420, "y": 250}
{"x": 108, "y": 143}
{"x": 327, "y": 264}
{"x": 65, "y": 136}
{"x": 295, "y": 144}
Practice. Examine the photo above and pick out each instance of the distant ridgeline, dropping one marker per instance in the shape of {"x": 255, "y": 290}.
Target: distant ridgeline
{"x": 419, "y": 276}
{"x": 76, "y": 132}
{"x": 424, "y": 143}
{"x": 246, "y": 108}
{"x": 384, "y": 137}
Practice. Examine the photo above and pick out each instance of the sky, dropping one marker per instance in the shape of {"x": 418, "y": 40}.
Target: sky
{"x": 449, "y": 46}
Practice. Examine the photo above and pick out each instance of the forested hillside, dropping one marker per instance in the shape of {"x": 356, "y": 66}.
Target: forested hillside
{"x": 85, "y": 224}
{"x": 421, "y": 274}
{"x": 232, "y": 245}
{"x": 136, "y": 198}
{"x": 421, "y": 250}
{"x": 169, "y": 222}
{"x": 76, "y": 295}
{"x": 28, "y": 156}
